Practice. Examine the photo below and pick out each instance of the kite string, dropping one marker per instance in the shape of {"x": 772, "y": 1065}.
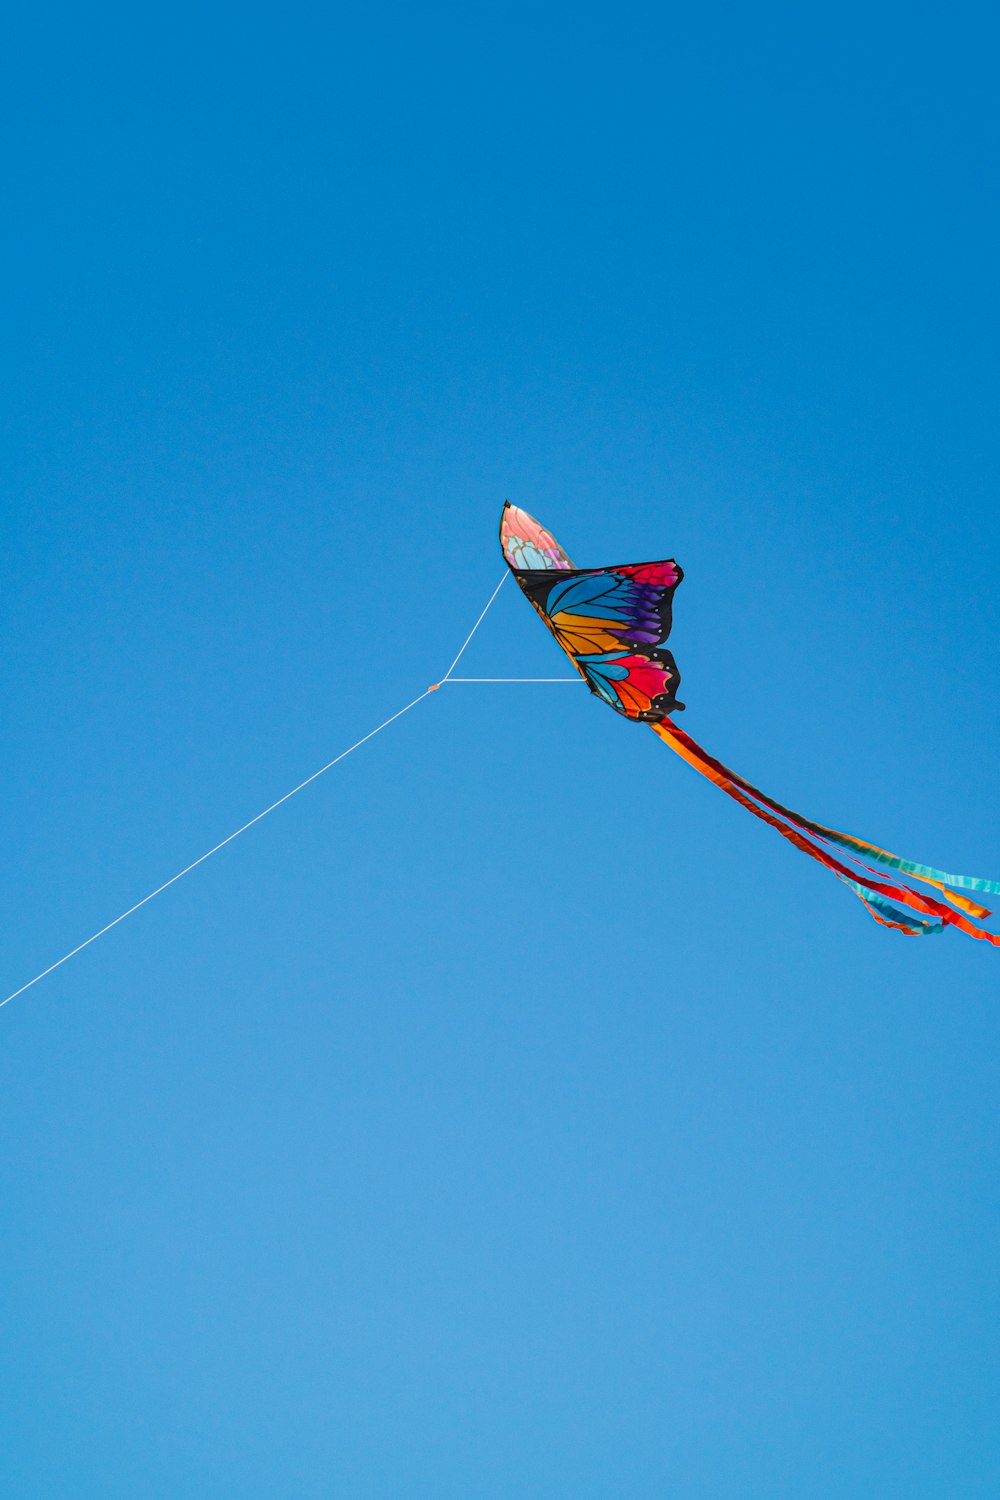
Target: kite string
{"x": 575, "y": 681}
{"x": 281, "y": 800}
{"x": 215, "y": 849}
{"x": 475, "y": 627}
{"x": 236, "y": 833}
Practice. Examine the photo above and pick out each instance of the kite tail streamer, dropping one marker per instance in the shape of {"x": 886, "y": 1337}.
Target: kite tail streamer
{"x": 891, "y": 904}
{"x": 860, "y": 847}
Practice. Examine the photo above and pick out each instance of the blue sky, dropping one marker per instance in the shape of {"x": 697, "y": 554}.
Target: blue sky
{"x": 509, "y": 1113}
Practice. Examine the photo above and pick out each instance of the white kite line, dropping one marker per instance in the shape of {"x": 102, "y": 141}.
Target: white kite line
{"x": 475, "y": 627}
{"x": 573, "y": 681}
{"x": 214, "y": 850}
{"x": 295, "y": 789}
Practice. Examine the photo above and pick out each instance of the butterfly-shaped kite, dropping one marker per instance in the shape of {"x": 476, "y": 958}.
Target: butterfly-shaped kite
{"x": 613, "y": 623}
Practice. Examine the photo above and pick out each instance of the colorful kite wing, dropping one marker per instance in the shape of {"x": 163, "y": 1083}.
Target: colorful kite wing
{"x": 526, "y": 544}
{"x": 612, "y": 623}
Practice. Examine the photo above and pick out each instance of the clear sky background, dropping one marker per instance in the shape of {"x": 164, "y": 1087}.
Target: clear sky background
{"x": 509, "y": 1114}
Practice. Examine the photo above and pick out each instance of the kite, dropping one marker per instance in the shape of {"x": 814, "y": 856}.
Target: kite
{"x": 612, "y": 623}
